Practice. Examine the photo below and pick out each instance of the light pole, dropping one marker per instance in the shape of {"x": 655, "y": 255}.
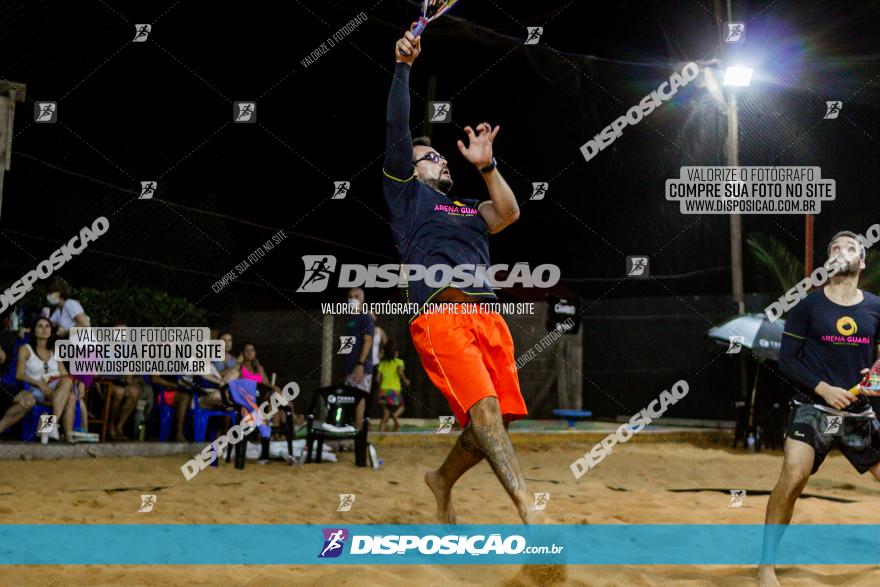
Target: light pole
{"x": 731, "y": 152}
{"x": 735, "y": 76}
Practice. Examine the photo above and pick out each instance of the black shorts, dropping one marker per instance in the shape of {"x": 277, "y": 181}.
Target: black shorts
{"x": 858, "y": 438}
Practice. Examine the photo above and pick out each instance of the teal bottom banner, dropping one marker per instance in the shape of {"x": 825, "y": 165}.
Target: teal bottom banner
{"x": 630, "y": 544}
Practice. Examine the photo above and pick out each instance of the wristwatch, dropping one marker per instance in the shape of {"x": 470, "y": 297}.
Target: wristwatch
{"x": 360, "y": 363}
{"x": 489, "y": 167}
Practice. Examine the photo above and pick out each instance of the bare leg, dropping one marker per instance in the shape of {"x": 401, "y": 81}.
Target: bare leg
{"x": 796, "y": 470}
{"x": 466, "y": 453}
{"x": 63, "y": 405}
{"x": 21, "y": 405}
{"x": 132, "y": 393}
{"x": 69, "y": 419}
{"x": 359, "y": 414}
{"x": 116, "y": 399}
{"x": 127, "y": 403}
{"x": 181, "y": 407}
{"x": 495, "y": 444}
{"x": 83, "y": 408}
{"x": 396, "y": 415}
{"x": 384, "y": 418}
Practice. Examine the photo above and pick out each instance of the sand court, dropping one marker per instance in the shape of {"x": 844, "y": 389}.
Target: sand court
{"x": 640, "y": 483}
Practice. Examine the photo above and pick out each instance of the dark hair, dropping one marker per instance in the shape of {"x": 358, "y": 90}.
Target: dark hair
{"x": 851, "y": 235}
{"x": 50, "y": 343}
{"x": 256, "y": 363}
{"x": 422, "y": 141}
{"x": 390, "y": 350}
{"x": 62, "y": 287}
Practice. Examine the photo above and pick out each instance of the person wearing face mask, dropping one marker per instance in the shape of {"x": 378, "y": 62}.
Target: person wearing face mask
{"x": 68, "y": 313}
{"x": 358, "y": 364}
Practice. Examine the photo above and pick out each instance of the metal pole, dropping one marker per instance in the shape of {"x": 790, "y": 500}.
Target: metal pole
{"x": 809, "y": 220}
{"x": 732, "y": 157}
{"x": 327, "y": 351}
{"x": 6, "y": 108}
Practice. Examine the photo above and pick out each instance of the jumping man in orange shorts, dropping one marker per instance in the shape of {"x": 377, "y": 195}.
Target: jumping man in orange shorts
{"x": 467, "y": 353}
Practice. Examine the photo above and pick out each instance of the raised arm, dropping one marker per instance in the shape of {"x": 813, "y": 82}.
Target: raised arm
{"x": 398, "y": 140}
{"x": 502, "y": 210}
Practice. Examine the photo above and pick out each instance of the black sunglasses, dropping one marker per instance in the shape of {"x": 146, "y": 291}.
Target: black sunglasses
{"x": 433, "y": 157}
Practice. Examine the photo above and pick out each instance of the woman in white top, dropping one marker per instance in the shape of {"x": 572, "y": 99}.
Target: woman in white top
{"x": 49, "y": 381}
{"x": 67, "y": 314}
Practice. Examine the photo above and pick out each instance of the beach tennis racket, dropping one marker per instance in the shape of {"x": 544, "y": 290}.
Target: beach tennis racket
{"x": 431, "y": 10}
{"x": 870, "y": 384}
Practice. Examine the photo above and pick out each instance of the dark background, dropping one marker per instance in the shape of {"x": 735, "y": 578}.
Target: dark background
{"x": 162, "y": 110}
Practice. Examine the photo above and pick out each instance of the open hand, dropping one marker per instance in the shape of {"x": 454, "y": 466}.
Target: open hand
{"x": 479, "y": 149}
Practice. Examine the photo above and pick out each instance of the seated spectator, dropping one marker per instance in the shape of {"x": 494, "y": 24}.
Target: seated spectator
{"x": 391, "y": 373}
{"x": 250, "y": 366}
{"x": 67, "y": 311}
{"x": 14, "y": 404}
{"x": 49, "y": 381}
{"x": 252, "y": 369}
{"x": 183, "y": 399}
{"x": 67, "y": 314}
{"x": 228, "y": 369}
{"x": 125, "y": 392}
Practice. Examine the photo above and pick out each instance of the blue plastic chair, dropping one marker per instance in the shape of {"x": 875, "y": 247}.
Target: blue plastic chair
{"x": 166, "y": 412}
{"x": 201, "y": 416}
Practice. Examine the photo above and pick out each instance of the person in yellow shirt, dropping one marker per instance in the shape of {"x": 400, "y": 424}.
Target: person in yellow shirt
{"x": 390, "y": 395}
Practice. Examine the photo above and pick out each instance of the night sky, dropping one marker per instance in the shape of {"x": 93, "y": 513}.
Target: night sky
{"x": 162, "y": 110}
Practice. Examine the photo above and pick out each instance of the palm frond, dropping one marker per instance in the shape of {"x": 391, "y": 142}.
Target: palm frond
{"x": 776, "y": 267}
{"x": 870, "y": 278}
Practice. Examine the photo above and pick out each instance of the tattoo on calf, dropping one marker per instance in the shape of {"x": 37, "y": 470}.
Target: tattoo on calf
{"x": 500, "y": 453}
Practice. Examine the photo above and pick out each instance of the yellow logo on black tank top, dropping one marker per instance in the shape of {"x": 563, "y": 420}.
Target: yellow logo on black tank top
{"x": 847, "y": 326}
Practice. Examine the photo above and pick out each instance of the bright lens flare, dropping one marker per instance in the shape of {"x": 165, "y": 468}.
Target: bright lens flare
{"x": 738, "y": 76}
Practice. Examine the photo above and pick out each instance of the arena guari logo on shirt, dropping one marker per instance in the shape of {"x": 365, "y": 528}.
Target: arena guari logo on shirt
{"x": 846, "y": 333}
{"x": 456, "y": 209}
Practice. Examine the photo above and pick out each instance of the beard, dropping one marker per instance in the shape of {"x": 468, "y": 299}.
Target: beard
{"x": 442, "y": 184}
{"x": 851, "y": 268}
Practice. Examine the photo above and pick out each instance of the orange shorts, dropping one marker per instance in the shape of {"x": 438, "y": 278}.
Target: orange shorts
{"x": 469, "y": 357}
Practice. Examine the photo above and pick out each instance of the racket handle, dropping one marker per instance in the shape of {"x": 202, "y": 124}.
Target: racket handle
{"x": 420, "y": 26}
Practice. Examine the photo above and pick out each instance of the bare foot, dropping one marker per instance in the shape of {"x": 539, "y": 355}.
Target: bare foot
{"x": 443, "y": 495}
{"x": 767, "y": 576}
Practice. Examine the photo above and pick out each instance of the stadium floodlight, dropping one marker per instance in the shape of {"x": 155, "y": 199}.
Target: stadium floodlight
{"x": 738, "y": 76}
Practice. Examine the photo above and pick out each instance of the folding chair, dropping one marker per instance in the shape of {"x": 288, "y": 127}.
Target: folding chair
{"x": 261, "y": 393}
{"x": 337, "y": 403}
